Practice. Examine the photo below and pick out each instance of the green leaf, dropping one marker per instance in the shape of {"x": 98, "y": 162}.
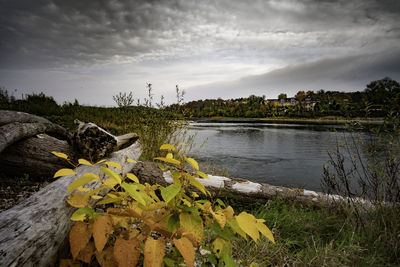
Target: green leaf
{"x": 173, "y": 223}
{"x": 112, "y": 174}
{"x": 80, "y": 214}
{"x": 86, "y": 178}
{"x": 60, "y": 155}
{"x": 64, "y": 172}
{"x": 221, "y": 203}
{"x": 226, "y": 234}
{"x": 212, "y": 259}
{"x": 192, "y": 163}
{"x": 228, "y": 260}
{"x": 172, "y": 161}
{"x": 134, "y": 192}
{"x": 169, "y": 262}
{"x": 167, "y": 147}
{"x": 169, "y": 192}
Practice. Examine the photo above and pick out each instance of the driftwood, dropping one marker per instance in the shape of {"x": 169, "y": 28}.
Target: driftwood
{"x": 33, "y": 232}
{"x": 241, "y": 190}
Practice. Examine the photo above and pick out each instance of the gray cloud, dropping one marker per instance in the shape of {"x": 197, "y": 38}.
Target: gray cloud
{"x": 184, "y": 41}
{"x": 342, "y": 74}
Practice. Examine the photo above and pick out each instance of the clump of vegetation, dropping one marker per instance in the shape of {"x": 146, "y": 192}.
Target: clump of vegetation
{"x": 167, "y": 224}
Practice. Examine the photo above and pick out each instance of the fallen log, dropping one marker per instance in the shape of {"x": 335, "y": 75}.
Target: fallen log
{"x": 33, "y": 232}
{"x": 23, "y": 152}
{"x": 242, "y": 190}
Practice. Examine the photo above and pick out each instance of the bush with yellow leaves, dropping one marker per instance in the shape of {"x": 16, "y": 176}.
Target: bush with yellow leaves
{"x": 151, "y": 224}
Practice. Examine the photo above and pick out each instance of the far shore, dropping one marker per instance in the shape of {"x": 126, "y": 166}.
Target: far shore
{"x": 322, "y": 120}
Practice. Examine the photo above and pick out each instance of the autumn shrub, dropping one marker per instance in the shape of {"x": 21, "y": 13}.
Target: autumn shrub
{"x": 153, "y": 225}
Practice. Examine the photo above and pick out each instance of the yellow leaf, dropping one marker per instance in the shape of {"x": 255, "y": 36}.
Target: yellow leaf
{"x": 169, "y": 192}
{"x": 183, "y": 144}
{"x": 192, "y": 163}
{"x": 83, "y": 189}
{"x": 78, "y": 200}
{"x": 78, "y": 238}
{"x": 186, "y": 249}
{"x": 126, "y": 252}
{"x": 134, "y": 192}
{"x": 248, "y": 224}
{"x": 97, "y": 197}
{"x": 132, "y": 177}
{"x": 131, "y": 160}
{"x": 228, "y": 211}
{"x": 235, "y": 228}
{"x": 265, "y": 230}
{"x": 60, "y": 155}
{"x": 172, "y": 161}
{"x": 154, "y": 251}
{"x": 219, "y": 216}
{"x": 167, "y": 147}
{"x": 102, "y": 229}
{"x": 96, "y": 190}
{"x": 194, "y": 194}
{"x": 112, "y": 174}
{"x": 203, "y": 175}
{"x": 193, "y": 181}
{"x": 169, "y": 156}
{"x": 81, "y": 214}
{"x": 110, "y": 183}
{"x": 109, "y": 200}
{"x": 85, "y": 162}
{"x": 193, "y": 224}
{"x": 221, "y": 247}
{"x": 86, "y": 178}
{"x": 114, "y": 164}
{"x": 186, "y": 202}
{"x": 100, "y": 161}
{"x": 64, "y": 172}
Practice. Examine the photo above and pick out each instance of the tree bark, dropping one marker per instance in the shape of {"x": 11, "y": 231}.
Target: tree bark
{"x": 33, "y": 232}
{"x": 9, "y": 116}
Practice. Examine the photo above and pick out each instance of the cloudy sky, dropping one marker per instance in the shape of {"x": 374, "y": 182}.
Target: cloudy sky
{"x": 93, "y": 49}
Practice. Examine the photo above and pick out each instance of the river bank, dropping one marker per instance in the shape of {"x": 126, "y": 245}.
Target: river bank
{"x": 317, "y": 121}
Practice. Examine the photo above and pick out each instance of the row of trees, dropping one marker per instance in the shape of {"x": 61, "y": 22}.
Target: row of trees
{"x": 375, "y": 101}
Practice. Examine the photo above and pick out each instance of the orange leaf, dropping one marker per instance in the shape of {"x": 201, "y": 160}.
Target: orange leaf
{"x": 78, "y": 238}
{"x": 126, "y": 252}
{"x": 154, "y": 251}
{"x": 186, "y": 249}
{"x": 86, "y": 254}
{"x": 106, "y": 258}
{"x": 102, "y": 229}
{"x": 69, "y": 263}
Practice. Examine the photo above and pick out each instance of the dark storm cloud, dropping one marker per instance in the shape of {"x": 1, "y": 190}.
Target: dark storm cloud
{"x": 50, "y": 33}
{"x": 343, "y": 74}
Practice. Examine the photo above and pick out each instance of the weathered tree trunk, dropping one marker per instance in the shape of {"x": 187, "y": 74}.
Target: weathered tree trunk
{"x": 239, "y": 189}
{"x": 32, "y": 233}
{"x": 32, "y": 156}
{"x": 23, "y": 152}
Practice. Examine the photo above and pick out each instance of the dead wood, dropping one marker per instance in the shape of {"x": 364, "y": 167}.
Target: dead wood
{"x": 32, "y": 233}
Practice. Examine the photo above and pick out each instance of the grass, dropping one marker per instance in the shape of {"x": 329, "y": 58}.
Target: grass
{"x": 307, "y": 236}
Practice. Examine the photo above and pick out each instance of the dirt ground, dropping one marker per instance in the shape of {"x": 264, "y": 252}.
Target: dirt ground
{"x": 14, "y": 191}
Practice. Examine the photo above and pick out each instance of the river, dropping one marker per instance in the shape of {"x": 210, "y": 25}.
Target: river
{"x": 280, "y": 154}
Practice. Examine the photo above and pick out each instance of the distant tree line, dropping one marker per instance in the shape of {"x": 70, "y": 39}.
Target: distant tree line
{"x": 376, "y": 100}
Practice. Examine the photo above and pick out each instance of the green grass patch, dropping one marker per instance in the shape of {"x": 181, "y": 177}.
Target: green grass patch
{"x": 321, "y": 237}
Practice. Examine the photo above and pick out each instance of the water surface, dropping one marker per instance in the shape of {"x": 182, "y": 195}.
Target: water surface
{"x": 279, "y": 154}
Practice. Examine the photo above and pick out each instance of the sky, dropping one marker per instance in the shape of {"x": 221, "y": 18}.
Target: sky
{"x": 93, "y": 49}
